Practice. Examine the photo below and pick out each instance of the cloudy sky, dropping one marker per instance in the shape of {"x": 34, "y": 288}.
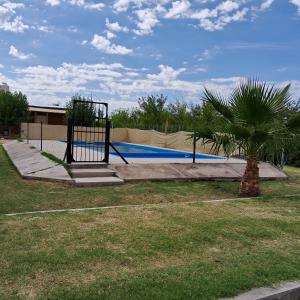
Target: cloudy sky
{"x": 121, "y": 49}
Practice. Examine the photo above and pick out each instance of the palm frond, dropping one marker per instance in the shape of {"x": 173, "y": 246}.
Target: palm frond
{"x": 204, "y": 133}
{"x": 218, "y": 103}
{"x": 223, "y": 142}
{"x": 240, "y": 132}
{"x": 255, "y": 103}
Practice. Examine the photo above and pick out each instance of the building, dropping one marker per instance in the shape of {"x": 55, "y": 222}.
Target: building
{"x": 47, "y": 115}
{"x": 4, "y": 87}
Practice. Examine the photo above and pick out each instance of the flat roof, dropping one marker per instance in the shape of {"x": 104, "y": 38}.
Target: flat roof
{"x": 47, "y": 109}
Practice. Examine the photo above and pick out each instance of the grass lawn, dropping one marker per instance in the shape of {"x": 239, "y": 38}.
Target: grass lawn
{"x": 20, "y": 195}
{"x": 186, "y": 251}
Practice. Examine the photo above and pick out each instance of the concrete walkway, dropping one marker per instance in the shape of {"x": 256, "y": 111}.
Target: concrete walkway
{"x": 32, "y": 165}
{"x": 224, "y": 170}
{"x": 283, "y": 291}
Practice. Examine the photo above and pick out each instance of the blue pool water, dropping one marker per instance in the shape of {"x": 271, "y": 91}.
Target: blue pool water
{"x": 140, "y": 151}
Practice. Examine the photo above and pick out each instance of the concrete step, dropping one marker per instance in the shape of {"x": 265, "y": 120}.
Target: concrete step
{"x": 98, "y": 181}
{"x": 88, "y": 165}
{"x": 82, "y": 173}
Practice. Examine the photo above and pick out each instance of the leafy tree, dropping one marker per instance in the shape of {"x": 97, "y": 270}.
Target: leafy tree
{"x": 152, "y": 110}
{"x": 83, "y": 113}
{"x": 120, "y": 117}
{"x": 13, "y": 109}
{"x": 293, "y": 152}
{"x": 179, "y": 115}
{"x": 125, "y": 118}
{"x": 253, "y": 117}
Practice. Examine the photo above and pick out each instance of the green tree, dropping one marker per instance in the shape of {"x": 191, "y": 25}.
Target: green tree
{"x": 179, "y": 115}
{"x": 254, "y": 116}
{"x": 13, "y": 109}
{"x": 83, "y": 113}
{"x": 152, "y": 111}
{"x": 293, "y": 152}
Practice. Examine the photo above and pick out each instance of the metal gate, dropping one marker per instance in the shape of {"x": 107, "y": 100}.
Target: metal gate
{"x": 88, "y": 132}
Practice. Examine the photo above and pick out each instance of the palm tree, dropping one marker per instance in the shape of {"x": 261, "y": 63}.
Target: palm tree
{"x": 254, "y": 117}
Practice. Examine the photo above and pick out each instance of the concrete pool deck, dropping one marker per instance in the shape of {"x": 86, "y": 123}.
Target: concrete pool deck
{"x": 32, "y": 165}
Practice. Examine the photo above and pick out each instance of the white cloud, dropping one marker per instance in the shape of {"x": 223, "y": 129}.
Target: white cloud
{"x": 53, "y": 2}
{"x": 211, "y": 15}
{"x": 121, "y": 5}
{"x": 110, "y": 35}
{"x": 87, "y": 5}
{"x": 43, "y": 28}
{"x": 201, "y": 69}
{"x": 72, "y": 29}
{"x": 210, "y": 53}
{"x": 147, "y": 20}
{"x": 166, "y": 74}
{"x": 79, "y": 3}
{"x": 227, "y": 6}
{"x": 297, "y": 4}
{"x": 9, "y": 21}
{"x": 45, "y": 85}
{"x": 266, "y": 4}
{"x": 105, "y": 45}
{"x": 13, "y": 51}
{"x": 178, "y": 9}
{"x": 115, "y": 26}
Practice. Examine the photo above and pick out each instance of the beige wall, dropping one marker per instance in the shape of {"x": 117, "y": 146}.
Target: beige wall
{"x": 179, "y": 140}
{"x": 50, "y": 132}
{"x": 59, "y": 132}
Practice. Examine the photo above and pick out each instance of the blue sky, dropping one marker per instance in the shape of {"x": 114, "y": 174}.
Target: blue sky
{"x": 122, "y": 49}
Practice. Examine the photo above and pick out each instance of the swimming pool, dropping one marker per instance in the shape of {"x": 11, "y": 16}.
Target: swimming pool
{"x": 141, "y": 151}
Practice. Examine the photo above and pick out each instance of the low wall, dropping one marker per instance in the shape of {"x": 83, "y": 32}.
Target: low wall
{"x": 50, "y": 132}
{"x": 59, "y": 133}
{"x": 180, "y": 140}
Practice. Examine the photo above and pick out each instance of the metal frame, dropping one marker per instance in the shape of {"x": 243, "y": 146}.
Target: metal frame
{"x": 88, "y": 139}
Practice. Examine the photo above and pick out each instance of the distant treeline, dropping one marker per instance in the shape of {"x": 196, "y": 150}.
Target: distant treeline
{"x": 154, "y": 112}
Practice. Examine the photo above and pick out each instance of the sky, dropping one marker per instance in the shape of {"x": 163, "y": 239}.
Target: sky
{"x": 117, "y": 51}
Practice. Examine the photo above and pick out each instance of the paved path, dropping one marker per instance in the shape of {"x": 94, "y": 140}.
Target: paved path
{"x": 32, "y": 165}
{"x": 224, "y": 170}
{"x": 283, "y": 291}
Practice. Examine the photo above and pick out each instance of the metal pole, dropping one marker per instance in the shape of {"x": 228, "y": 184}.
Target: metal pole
{"x": 107, "y": 141}
{"x": 194, "y": 148}
{"x": 69, "y": 142}
{"x": 41, "y": 136}
{"x": 126, "y": 162}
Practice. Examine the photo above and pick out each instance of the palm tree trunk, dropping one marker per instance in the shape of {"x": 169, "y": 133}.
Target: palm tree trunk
{"x": 250, "y": 181}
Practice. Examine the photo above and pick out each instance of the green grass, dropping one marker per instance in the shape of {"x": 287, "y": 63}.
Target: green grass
{"x": 20, "y": 195}
{"x": 198, "y": 251}
{"x": 185, "y": 251}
